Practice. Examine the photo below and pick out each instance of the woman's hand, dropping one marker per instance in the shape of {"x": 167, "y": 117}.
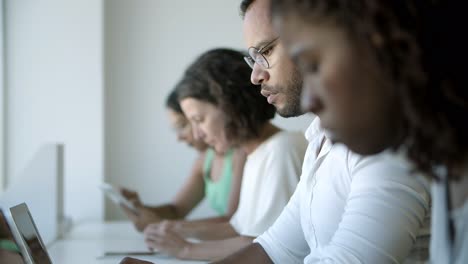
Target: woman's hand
{"x": 142, "y": 218}
{"x": 132, "y": 196}
{"x": 163, "y": 238}
{"x": 144, "y": 215}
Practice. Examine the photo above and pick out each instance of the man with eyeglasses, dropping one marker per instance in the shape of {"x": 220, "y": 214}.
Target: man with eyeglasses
{"x": 272, "y": 69}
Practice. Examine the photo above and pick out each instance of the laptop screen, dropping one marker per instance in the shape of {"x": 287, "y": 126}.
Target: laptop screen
{"x": 9, "y": 242}
{"x": 30, "y": 235}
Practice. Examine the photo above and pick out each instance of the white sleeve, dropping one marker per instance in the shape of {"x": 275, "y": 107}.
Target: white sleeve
{"x": 385, "y": 209}
{"x": 279, "y": 180}
{"x": 284, "y": 241}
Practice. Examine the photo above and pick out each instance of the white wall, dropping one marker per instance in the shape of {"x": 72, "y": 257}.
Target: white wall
{"x": 55, "y": 93}
{"x": 93, "y": 75}
{"x": 44, "y": 176}
{"x": 147, "y": 46}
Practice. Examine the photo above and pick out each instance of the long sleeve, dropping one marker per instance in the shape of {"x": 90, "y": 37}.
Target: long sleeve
{"x": 384, "y": 212}
{"x": 284, "y": 241}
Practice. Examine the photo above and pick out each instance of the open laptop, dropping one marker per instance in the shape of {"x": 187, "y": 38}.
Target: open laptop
{"x": 27, "y": 229}
{"x": 8, "y": 237}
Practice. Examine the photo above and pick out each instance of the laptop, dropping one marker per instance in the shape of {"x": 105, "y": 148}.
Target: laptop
{"x": 28, "y": 232}
{"x": 9, "y": 239}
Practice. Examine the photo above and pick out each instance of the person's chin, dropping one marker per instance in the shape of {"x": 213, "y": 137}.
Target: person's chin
{"x": 278, "y": 103}
{"x": 359, "y": 145}
{"x": 287, "y": 111}
{"x": 201, "y": 148}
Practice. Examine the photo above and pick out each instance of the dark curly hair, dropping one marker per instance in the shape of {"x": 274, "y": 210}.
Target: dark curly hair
{"x": 245, "y": 4}
{"x": 420, "y": 47}
{"x": 221, "y": 77}
{"x": 172, "y": 102}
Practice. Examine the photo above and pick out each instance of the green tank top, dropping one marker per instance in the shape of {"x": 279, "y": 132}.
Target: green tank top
{"x": 217, "y": 193}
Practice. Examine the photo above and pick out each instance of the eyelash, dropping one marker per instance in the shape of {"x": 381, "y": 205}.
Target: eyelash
{"x": 267, "y": 51}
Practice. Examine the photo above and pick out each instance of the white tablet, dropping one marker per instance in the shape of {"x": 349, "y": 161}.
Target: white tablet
{"x": 35, "y": 247}
{"x": 114, "y": 194}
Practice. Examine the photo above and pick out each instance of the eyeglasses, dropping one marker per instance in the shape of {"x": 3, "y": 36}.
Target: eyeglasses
{"x": 256, "y": 55}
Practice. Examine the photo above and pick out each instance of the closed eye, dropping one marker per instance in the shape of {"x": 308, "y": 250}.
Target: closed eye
{"x": 197, "y": 120}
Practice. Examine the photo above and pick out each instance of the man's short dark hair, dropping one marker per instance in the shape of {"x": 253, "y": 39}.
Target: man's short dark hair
{"x": 245, "y": 4}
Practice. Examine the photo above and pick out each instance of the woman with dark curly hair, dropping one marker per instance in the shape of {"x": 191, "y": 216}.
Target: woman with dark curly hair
{"x": 227, "y": 111}
{"x": 391, "y": 74}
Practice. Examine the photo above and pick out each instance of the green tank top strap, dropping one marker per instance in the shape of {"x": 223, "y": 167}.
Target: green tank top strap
{"x": 209, "y": 157}
{"x": 9, "y": 245}
{"x": 218, "y": 192}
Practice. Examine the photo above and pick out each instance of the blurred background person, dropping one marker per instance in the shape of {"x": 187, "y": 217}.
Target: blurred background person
{"x": 215, "y": 176}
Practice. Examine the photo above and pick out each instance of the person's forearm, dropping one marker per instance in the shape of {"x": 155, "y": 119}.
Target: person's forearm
{"x": 208, "y": 229}
{"x": 216, "y": 219}
{"x": 166, "y": 211}
{"x": 252, "y": 254}
{"x": 214, "y": 250}
{"x": 10, "y": 257}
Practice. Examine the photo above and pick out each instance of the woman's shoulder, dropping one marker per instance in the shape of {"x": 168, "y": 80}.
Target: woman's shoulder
{"x": 288, "y": 138}
{"x": 287, "y": 142}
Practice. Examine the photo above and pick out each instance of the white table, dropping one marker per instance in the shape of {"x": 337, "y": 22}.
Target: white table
{"x": 87, "y": 242}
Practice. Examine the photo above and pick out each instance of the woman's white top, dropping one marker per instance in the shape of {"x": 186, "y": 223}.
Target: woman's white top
{"x": 271, "y": 174}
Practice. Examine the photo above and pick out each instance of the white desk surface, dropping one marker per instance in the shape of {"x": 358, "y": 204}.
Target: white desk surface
{"x": 87, "y": 242}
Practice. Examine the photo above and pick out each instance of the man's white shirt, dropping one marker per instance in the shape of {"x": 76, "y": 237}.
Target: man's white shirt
{"x": 349, "y": 208}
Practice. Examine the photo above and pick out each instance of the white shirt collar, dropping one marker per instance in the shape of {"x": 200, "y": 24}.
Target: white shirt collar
{"x": 313, "y": 130}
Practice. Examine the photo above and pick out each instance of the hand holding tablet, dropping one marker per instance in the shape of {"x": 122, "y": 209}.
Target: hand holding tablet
{"x": 115, "y": 195}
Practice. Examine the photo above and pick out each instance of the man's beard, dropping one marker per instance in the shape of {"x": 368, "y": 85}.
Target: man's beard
{"x": 292, "y": 91}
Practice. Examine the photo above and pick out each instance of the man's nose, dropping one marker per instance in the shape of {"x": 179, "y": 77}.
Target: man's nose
{"x": 259, "y": 75}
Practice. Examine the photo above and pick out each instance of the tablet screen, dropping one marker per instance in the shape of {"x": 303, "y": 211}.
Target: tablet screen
{"x": 30, "y": 235}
